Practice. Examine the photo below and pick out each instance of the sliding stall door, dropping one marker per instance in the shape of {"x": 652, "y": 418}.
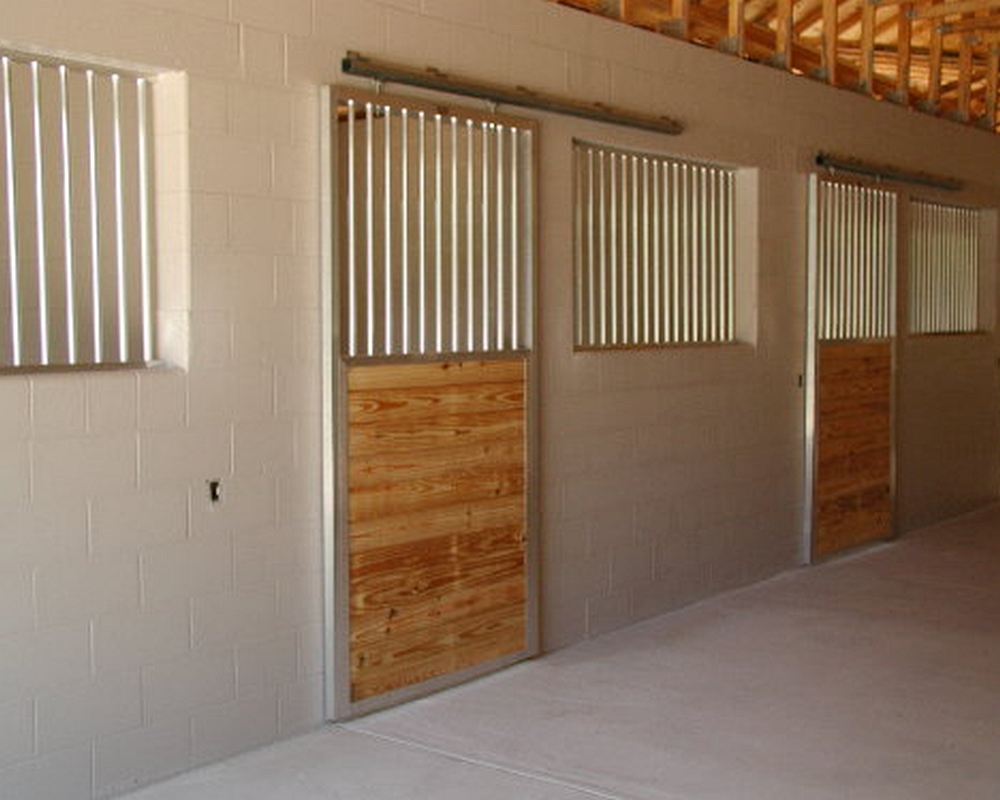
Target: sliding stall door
{"x": 435, "y": 242}
{"x": 852, "y": 324}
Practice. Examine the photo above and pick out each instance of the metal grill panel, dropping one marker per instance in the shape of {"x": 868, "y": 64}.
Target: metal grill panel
{"x": 76, "y": 241}
{"x": 436, "y": 232}
{"x": 856, "y": 252}
{"x": 654, "y": 249}
{"x": 944, "y": 268}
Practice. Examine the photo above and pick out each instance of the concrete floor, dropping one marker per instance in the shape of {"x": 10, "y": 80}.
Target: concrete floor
{"x": 876, "y": 676}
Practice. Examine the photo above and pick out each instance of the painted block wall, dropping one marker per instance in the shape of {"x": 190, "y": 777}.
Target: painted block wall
{"x": 143, "y": 632}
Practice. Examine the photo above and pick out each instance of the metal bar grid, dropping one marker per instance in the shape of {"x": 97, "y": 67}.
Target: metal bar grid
{"x": 944, "y": 268}
{"x": 444, "y": 200}
{"x": 654, "y": 250}
{"x": 76, "y": 254}
{"x": 856, "y": 258}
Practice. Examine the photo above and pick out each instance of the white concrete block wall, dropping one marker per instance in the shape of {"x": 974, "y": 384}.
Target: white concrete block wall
{"x": 144, "y": 631}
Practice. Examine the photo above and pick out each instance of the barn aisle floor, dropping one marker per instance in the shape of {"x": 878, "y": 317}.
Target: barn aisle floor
{"x": 876, "y": 677}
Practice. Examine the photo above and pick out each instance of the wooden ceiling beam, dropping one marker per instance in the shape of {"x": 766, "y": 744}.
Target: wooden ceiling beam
{"x": 971, "y": 24}
{"x": 992, "y": 81}
{"x": 808, "y": 19}
{"x": 964, "y": 77}
{"x": 904, "y": 53}
{"x": 953, "y": 8}
{"x": 735, "y": 41}
{"x": 828, "y": 39}
{"x": 784, "y": 33}
{"x": 679, "y": 24}
{"x": 941, "y": 55}
{"x": 867, "y": 67}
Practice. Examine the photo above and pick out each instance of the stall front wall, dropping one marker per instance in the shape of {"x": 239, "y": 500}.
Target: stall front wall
{"x": 145, "y": 630}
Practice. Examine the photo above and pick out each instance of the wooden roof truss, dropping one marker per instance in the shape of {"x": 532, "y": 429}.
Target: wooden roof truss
{"x": 939, "y": 56}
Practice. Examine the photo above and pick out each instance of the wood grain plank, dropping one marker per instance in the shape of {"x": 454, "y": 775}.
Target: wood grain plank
{"x": 413, "y": 658}
{"x": 411, "y": 527}
{"x": 437, "y": 513}
{"x": 853, "y": 486}
{"x": 389, "y": 406}
{"x": 447, "y": 373}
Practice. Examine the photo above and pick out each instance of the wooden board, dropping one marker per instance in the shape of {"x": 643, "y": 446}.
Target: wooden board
{"x": 853, "y": 488}
{"x": 437, "y": 517}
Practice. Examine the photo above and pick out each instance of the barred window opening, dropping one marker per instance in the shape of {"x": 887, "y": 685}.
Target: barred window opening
{"x": 654, "y": 251}
{"x": 75, "y": 241}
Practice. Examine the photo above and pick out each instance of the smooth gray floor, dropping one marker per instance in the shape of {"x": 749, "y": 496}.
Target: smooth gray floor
{"x": 874, "y": 677}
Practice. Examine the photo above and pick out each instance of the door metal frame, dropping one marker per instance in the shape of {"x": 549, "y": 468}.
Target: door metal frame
{"x": 338, "y": 704}
{"x": 811, "y": 371}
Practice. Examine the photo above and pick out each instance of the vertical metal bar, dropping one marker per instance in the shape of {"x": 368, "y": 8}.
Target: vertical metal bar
{"x": 422, "y": 232}
{"x": 852, "y": 273}
{"x": 369, "y": 231}
{"x": 11, "y": 195}
{"x": 826, "y": 208}
{"x": 438, "y": 238}
{"x": 95, "y": 236}
{"x": 884, "y": 298}
{"x": 862, "y": 244}
{"x": 927, "y": 314}
{"x": 934, "y": 263}
{"x": 725, "y": 227}
{"x": 404, "y": 228}
{"x": 592, "y": 228}
{"x": 120, "y": 259}
{"x": 954, "y": 259}
{"x": 580, "y": 266}
{"x": 873, "y": 264}
{"x": 454, "y": 293}
{"x": 627, "y": 265}
{"x": 349, "y": 201}
{"x": 634, "y": 264}
{"x": 697, "y": 253}
{"x": 470, "y": 236}
{"x": 713, "y": 255}
{"x": 947, "y": 273}
{"x": 866, "y": 254}
{"x": 620, "y": 286}
{"x": 731, "y": 298}
{"x": 892, "y": 255}
{"x": 40, "y": 244}
{"x": 843, "y": 263}
{"x": 974, "y": 271}
{"x": 500, "y": 237}
{"x": 515, "y": 237}
{"x": 67, "y": 203}
{"x": 646, "y": 253}
{"x": 690, "y": 234}
{"x": 145, "y": 225}
{"x": 603, "y": 228}
{"x": 837, "y": 258}
{"x": 916, "y": 268}
{"x": 818, "y": 240}
{"x": 879, "y": 328}
{"x": 669, "y": 250}
{"x": 915, "y": 292}
{"x": 612, "y": 297}
{"x": 485, "y": 251}
{"x": 657, "y": 262}
{"x": 702, "y": 265}
{"x": 677, "y": 240}
{"x": 388, "y": 309}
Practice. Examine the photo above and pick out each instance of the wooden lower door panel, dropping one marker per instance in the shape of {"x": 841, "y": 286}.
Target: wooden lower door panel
{"x": 437, "y": 519}
{"x": 853, "y": 485}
